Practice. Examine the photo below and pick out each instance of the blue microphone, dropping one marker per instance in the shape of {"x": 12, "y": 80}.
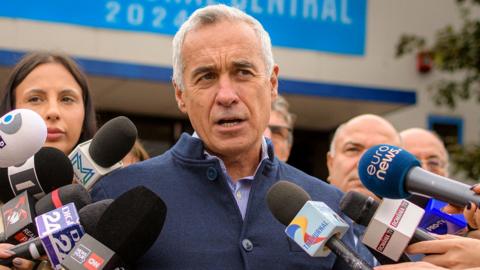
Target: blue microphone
{"x": 392, "y": 172}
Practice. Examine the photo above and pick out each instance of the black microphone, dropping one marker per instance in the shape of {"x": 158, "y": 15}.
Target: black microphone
{"x": 64, "y": 195}
{"x": 392, "y": 172}
{"x": 45, "y": 171}
{"x": 102, "y": 154}
{"x": 361, "y": 209}
{"x": 286, "y": 200}
{"x": 33, "y": 249}
{"x": 124, "y": 233}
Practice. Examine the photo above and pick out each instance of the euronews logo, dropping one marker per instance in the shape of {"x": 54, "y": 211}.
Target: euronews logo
{"x": 381, "y": 160}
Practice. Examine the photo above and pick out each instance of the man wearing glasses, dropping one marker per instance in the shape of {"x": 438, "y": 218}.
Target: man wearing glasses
{"x": 280, "y": 128}
{"x": 427, "y": 148}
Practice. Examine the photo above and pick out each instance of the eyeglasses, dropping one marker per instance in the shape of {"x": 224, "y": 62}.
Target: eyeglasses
{"x": 280, "y": 131}
{"x": 433, "y": 164}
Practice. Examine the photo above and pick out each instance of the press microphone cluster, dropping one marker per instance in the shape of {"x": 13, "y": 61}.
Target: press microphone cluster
{"x": 312, "y": 225}
{"x": 102, "y": 154}
{"x": 45, "y": 171}
{"x": 22, "y": 133}
{"x": 123, "y": 233}
{"x": 19, "y": 213}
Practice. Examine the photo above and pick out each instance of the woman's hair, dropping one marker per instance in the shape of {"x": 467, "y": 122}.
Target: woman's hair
{"x": 32, "y": 60}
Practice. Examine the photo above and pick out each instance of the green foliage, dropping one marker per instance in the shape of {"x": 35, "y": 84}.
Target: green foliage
{"x": 467, "y": 161}
{"x": 455, "y": 51}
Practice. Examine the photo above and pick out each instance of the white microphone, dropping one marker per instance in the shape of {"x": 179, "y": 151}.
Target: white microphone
{"x": 392, "y": 227}
{"x": 22, "y": 133}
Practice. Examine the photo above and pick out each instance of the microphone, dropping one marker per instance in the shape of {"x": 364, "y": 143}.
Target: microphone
{"x": 392, "y": 172}
{"x": 124, "y": 232}
{"x": 18, "y": 215}
{"x": 312, "y": 225}
{"x": 58, "y": 231}
{"x": 72, "y": 193}
{"x": 361, "y": 209}
{"x": 22, "y": 133}
{"x": 436, "y": 221}
{"x": 20, "y": 227}
{"x": 103, "y": 153}
{"x": 47, "y": 170}
{"x": 33, "y": 249}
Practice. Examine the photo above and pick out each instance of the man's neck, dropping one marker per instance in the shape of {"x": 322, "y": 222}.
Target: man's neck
{"x": 244, "y": 164}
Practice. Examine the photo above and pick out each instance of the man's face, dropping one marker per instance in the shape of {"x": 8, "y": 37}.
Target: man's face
{"x": 427, "y": 149}
{"x": 278, "y": 131}
{"x": 227, "y": 92}
{"x": 353, "y": 140}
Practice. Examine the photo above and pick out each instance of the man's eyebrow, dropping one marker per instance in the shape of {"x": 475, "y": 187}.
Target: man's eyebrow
{"x": 244, "y": 64}
{"x": 202, "y": 69}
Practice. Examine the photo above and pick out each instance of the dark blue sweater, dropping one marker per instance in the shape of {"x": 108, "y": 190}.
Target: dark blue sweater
{"x": 203, "y": 227}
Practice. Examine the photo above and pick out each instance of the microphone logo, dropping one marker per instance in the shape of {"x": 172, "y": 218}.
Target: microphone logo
{"x": 17, "y": 213}
{"x": 301, "y": 223}
{"x": 380, "y": 161}
{"x": 2, "y": 143}
{"x": 85, "y": 173}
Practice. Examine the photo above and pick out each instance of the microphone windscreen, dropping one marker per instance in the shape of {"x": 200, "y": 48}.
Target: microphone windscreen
{"x": 132, "y": 223}
{"x": 383, "y": 169}
{"x": 6, "y": 192}
{"x": 22, "y": 133}
{"x": 285, "y": 199}
{"x": 73, "y": 193}
{"x": 358, "y": 207}
{"x": 91, "y": 213}
{"x": 52, "y": 168}
{"x": 113, "y": 141}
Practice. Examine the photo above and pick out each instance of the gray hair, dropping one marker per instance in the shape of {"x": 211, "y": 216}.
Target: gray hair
{"x": 334, "y": 139}
{"x": 280, "y": 105}
{"x": 210, "y": 15}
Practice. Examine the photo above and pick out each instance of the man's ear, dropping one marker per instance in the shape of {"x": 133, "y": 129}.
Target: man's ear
{"x": 329, "y": 162}
{"x": 180, "y": 98}
{"x": 274, "y": 81}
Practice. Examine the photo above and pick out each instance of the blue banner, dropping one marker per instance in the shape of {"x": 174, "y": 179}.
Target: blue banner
{"x": 336, "y": 26}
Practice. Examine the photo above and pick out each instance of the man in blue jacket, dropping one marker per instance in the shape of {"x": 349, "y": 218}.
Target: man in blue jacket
{"x": 214, "y": 182}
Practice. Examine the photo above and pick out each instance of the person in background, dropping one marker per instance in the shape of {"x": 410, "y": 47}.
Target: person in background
{"x": 52, "y": 85}
{"x": 215, "y": 181}
{"x": 428, "y": 148}
{"x": 137, "y": 154}
{"x": 348, "y": 144}
{"x": 280, "y": 128}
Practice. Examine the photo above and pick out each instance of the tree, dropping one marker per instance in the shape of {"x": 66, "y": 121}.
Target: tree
{"x": 454, "y": 52}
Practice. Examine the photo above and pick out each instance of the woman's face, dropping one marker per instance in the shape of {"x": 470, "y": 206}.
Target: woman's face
{"x": 51, "y": 91}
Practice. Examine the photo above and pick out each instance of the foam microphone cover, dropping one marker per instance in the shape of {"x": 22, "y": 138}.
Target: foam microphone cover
{"x": 90, "y": 214}
{"x": 22, "y": 133}
{"x": 359, "y": 207}
{"x": 53, "y": 169}
{"x": 132, "y": 223}
{"x": 113, "y": 141}
{"x": 73, "y": 193}
{"x": 285, "y": 199}
{"x": 383, "y": 169}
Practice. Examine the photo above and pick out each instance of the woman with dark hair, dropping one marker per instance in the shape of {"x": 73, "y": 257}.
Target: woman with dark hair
{"x": 53, "y": 85}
